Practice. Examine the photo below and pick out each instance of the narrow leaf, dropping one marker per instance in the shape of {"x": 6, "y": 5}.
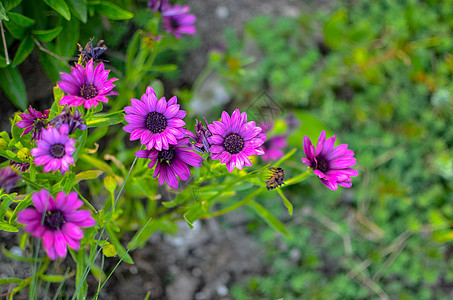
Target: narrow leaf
{"x": 25, "y": 49}
{"x": 113, "y": 11}
{"x": 286, "y": 202}
{"x": 269, "y": 218}
{"x": 13, "y": 86}
{"x": 101, "y": 120}
{"x": 78, "y": 9}
{"x": 47, "y": 35}
{"x": 115, "y": 242}
{"x": 8, "y": 227}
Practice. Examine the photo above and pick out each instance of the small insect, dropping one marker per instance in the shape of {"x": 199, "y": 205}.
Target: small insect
{"x": 276, "y": 179}
{"x": 90, "y": 52}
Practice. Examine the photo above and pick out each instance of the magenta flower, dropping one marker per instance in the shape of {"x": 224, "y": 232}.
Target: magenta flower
{"x": 54, "y": 150}
{"x": 177, "y": 20}
{"x": 157, "y": 123}
{"x": 73, "y": 121}
{"x": 86, "y": 87}
{"x": 273, "y": 147}
{"x": 331, "y": 164}
{"x": 200, "y": 137}
{"x": 56, "y": 221}
{"x": 172, "y": 162}
{"x": 234, "y": 139}
{"x": 33, "y": 120}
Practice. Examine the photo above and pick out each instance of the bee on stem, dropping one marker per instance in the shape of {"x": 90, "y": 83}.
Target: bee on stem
{"x": 276, "y": 179}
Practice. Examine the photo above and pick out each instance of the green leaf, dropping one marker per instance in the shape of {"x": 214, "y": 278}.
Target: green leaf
{"x": 101, "y": 120}
{"x": 18, "y": 24}
{"x": 132, "y": 50}
{"x": 113, "y": 11}
{"x": 194, "y": 214}
{"x": 79, "y": 9}
{"x": 81, "y": 142}
{"x": 3, "y": 62}
{"x": 109, "y": 250}
{"x": 6, "y": 202}
{"x": 10, "y": 280}
{"x": 10, "y": 4}
{"x": 47, "y": 35}
{"x": 269, "y": 218}
{"x": 21, "y": 206}
{"x": 68, "y": 185}
{"x": 13, "y": 86}
{"x": 88, "y": 175}
{"x": 52, "y": 278}
{"x": 8, "y": 227}
{"x": 61, "y": 7}
{"x": 286, "y": 202}
{"x": 66, "y": 41}
{"x": 25, "y": 49}
{"x": 115, "y": 242}
{"x": 163, "y": 68}
{"x": 3, "y": 15}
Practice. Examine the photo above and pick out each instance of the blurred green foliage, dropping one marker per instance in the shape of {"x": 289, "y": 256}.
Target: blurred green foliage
{"x": 378, "y": 74}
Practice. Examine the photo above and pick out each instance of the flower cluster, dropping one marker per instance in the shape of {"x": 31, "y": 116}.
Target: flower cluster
{"x": 85, "y": 87}
{"x": 56, "y": 221}
{"x": 177, "y": 18}
{"x": 159, "y": 125}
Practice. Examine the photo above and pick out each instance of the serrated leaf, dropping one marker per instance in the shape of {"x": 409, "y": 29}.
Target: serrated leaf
{"x": 79, "y": 9}
{"x": 25, "y": 48}
{"x": 61, "y": 7}
{"x": 109, "y": 250}
{"x": 101, "y": 120}
{"x": 113, "y": 11}
{"x": 47, "y": 35}
{"x": 8, "y": 227}
{"x": 13, "y": 86}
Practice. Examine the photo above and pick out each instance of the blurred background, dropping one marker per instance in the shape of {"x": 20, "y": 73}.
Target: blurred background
{"x": 378, "y": 75}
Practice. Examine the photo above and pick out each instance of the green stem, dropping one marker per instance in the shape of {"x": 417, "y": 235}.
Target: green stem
{"x": 236, "y": 205}
{"x": 299, "y": 178}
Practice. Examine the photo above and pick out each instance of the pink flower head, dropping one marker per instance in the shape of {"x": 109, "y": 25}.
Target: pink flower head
{"x": 158, "y": 5}
{"x": 200, "y": 137}
{"x": 172, "y": 162}
{"x": 54, "y": 150}
{"x": 33, "y": 120}
{"x": 331, "y": 164}
{"x": 157, "y": 123}
{"x": 177, "y": 20}
{"x": 56, "y": 221}
{"x": 85, "y": 86}
{"x": 8, "y": 179}
{"x": 234, "y": 139}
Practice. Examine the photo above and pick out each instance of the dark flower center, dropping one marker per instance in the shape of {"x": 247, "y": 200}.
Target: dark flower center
{"x": 54, "y": 219}
{"x": 166, "y": 155}
{"x": 88, "y": 91}
{"x": 322, "y": 165}
{"x": 156, "y": 122}
{"x": 174, "y": 24}
{"x": 39, "y": 124}
{"x": 233, "y": 143}
{"x": 57, "y": 150}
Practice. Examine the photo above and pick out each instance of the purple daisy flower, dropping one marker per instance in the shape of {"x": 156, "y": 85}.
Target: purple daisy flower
{"x": 331, "y": 164}
{"x": 200, "y": 137}
{"x": 157, "y": 123}
{"x": 56, "y": 221}
{"x": 177, "y": 20}
{"x": 8, "y": 179}
{"x": 21, "y": 167}
{"x": 73, "y": 121}
{"x": 85, "y": 86}
{"x": 158, "y": 5}
{"x": 54, "y": 150}
{"x": 33, "y": 120}
{"x": 172, "y": 162}
{"x": 234, "y": 139}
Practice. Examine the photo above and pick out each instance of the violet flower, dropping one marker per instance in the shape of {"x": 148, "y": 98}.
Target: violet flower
{"x": 200, "y": 137}
{"x": 172, "y": 163}
{"x": 33, "y": 120}
{"x": 85, "y": 86}
{"x": 273, "y": 147}
{"x": 54, "y": 150}
{"x": 73, "y": 121}
{"x": 8, "y": 179}
{"x": 157, "y": 123}
{"x": 177, "y": 20}
{"x": 158, "y": 5}
{"x": 331, "y": 164}
{"x": 56, "y": 221}
{"x": 21, "y": 167}
{"x": 234, "y": 139}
